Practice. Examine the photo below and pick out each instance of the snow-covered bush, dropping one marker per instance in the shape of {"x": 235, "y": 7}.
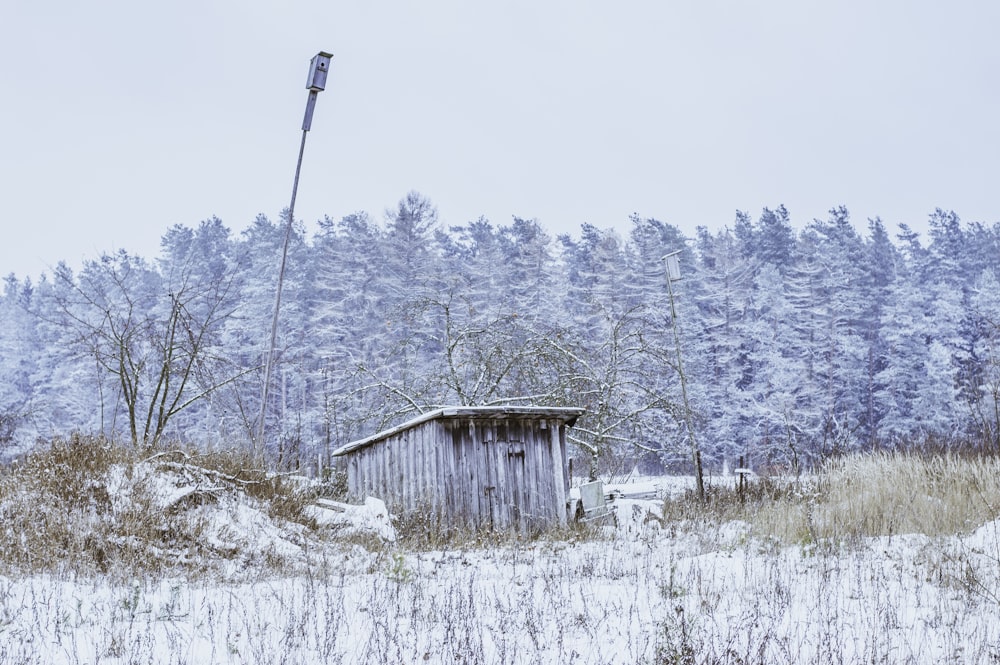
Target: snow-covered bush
{"x": 87, "y": 505}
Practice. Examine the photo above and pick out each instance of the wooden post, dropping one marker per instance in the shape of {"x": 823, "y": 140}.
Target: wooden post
{"x": 560, "y": 481}
{"x": 672, "y": 273}
{"x": 741, "y": 486}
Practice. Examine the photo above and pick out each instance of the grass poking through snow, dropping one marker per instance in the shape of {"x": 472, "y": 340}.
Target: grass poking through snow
{"x": 114, "y": 555}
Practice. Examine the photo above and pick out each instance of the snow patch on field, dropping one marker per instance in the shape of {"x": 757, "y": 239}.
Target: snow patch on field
{"x": 900, "y": 599}
{"x": 370, "y": 519}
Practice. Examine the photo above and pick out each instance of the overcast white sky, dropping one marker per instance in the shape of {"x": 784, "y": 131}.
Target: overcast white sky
{"x": 121, "y": 118}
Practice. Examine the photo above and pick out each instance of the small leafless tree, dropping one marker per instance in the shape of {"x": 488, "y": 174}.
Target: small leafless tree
{"x": 620, "y": 381}
{"x": 152, "y": 336}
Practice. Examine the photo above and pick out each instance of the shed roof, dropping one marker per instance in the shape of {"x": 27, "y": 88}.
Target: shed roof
{"x": 565, "y": 414}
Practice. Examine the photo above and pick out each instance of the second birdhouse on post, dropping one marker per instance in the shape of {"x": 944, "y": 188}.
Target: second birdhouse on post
{"x": 673, "y": 266}
{"x": 318, "y": 68}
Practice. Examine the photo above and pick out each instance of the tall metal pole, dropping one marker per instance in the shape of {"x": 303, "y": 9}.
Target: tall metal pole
{"x": 318, "y": 68}
{"x": 673, "y": 273}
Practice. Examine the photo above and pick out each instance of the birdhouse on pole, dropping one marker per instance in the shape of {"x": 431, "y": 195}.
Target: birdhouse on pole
{"x": 318, "y": 68}
{"x": 673, "y": 266}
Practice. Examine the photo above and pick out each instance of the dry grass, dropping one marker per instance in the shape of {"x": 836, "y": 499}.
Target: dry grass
{"x": 283, "y": 494}
{"x": 424, "y": 531}
{"x": 880, "y": 494}
{"x": 87, "y": 505}
{"x": 886, "y": 494}
{"x": 52, "y": 504}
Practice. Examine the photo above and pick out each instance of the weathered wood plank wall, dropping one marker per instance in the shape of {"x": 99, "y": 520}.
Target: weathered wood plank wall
{"x": 472, "y": 472}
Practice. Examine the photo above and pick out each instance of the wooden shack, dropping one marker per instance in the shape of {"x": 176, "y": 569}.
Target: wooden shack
{"x": 481, "y": 467}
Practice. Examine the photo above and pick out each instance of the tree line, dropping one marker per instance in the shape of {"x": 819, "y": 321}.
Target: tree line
{"x": 795, "y": 344}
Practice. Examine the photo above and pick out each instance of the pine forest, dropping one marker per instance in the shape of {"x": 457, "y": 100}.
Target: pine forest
{"x": 779, "y": 345}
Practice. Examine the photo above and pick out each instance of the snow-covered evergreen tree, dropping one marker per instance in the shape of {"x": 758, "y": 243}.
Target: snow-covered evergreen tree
{"x": 18, "y": 362}
{"x": 720, "y": 350}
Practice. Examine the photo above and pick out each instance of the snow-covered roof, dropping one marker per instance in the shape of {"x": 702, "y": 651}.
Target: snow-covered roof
{"x": 564, "y": 413}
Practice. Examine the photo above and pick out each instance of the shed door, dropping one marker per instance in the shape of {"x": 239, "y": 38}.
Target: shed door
{"x": 491, "y": 486}
{"x": 503, "y": 493}
{"x": 516, "y": 479}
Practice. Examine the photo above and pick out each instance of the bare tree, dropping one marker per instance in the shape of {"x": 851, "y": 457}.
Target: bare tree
{"x": 620, "y": 381}
{"x": 152, "y": 336}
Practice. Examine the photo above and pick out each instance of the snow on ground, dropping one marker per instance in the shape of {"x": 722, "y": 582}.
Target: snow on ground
{"x": 670, "y": 487}
{"x": 646, "y": 598}
{"x": 371, "y": 518}
{"x": 639, "y": 592}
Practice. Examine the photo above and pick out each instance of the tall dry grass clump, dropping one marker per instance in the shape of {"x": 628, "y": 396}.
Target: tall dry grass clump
{"x": 852, "y": 497}
{"x": 52, "y": 503}
{"x": 885, "y": 494}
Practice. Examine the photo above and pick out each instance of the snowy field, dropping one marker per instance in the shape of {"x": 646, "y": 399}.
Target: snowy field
{"x": 653, "y": 596}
